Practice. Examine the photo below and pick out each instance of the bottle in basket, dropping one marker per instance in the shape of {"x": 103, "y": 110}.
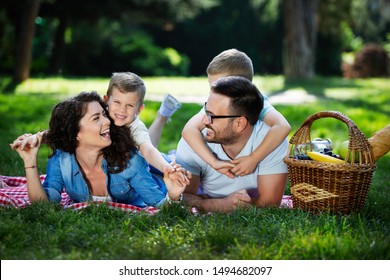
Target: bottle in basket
{"x": 300, "y": 151}
{"x": 318, "y": 144}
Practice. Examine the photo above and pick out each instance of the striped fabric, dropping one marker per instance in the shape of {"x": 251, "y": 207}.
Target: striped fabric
{"x": 13, "y": 193}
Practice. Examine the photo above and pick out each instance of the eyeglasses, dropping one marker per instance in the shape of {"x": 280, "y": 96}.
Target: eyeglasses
{"x": 210, "y": 117}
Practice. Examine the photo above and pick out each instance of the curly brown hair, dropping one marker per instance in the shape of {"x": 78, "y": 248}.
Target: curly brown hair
{"x": 64, "y": 127}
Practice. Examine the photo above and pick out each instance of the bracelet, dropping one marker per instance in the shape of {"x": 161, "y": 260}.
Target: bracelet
{"x": 33, "y": 166}
{"x": 170, "y": 201}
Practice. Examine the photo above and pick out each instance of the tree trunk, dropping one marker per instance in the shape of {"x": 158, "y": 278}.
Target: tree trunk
{"x": 25, "y": 37}
{"x": 56, "y": 58}
{"x": 300, "y": 38}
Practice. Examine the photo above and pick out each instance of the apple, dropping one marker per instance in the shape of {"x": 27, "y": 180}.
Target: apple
{"x": 343, "y": 150}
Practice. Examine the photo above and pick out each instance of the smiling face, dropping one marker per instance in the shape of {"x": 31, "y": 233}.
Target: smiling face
{"x": 94, "y": 127}
{"x": 221, "y": 130}
{"x": 123, "y": 107}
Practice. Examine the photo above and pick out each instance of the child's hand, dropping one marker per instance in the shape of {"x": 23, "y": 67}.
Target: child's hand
{"x": 244, "y": 165}
{"x": 224, "y": 167}
{"x": 172, "y": 180}
{"x": 178, "y": 174}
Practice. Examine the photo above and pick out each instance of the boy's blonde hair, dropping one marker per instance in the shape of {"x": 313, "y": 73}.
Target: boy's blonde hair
{"x": 127, "y": 82}
{"x": 232, "y": 62}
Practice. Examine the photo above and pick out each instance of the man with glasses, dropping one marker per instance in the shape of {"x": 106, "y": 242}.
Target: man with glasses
{"x": 233, "y": 130}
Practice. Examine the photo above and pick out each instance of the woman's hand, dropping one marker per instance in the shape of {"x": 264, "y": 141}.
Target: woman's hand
{"x": 178, "y": 174}
{"x": 176, "y": 180}
{"x": 25, "y": 150}
{"x": 29, "y": 156}
{"x": 27, "y": 141}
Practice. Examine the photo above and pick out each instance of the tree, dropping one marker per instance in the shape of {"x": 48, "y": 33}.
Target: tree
{"x": 148, "y": 12}
{"x": 334, "y": 36}
{"x": 23, "y": 13}
{"x": 252, "y": 26}
{"x": 25, "y": 29}
{"x": 300, "y": 38}
{"x": 370, "y": 19}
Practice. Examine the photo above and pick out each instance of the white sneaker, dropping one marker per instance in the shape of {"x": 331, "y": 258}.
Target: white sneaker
{"x": 169, "y": 106}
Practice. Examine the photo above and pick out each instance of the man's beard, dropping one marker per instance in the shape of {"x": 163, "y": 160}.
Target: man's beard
{"x": 227, "y": 137}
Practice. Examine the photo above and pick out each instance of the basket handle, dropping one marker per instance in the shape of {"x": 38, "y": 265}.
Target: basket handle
{"x": 357, "y": 140}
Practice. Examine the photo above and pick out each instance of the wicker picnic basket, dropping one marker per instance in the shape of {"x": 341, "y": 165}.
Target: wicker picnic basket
{"x": 322, "y": 186}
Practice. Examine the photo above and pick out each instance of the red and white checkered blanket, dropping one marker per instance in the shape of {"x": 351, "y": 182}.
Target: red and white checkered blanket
{"x": 13, "y": 193}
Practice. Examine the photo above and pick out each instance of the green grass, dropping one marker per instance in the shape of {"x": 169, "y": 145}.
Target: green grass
{"x": 45, "y": 231}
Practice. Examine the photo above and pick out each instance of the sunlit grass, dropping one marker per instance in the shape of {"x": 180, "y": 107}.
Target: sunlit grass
{"x": 180, "y": 86}
{"x": 48, "y": 232}
{"x": 62, "y": 86}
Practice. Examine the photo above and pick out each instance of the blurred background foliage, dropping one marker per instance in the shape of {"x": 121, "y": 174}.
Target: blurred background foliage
{"x": 179, "y": 37}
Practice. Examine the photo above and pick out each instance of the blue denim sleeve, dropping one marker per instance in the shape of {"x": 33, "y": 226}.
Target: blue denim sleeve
{"x": 53, "y": 183}
{"x": 151, "y": 189}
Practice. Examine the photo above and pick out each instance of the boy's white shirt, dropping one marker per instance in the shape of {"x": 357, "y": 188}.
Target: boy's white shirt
{"x": 139, "y": 132}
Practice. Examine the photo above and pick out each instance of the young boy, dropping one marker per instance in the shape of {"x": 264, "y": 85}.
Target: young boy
{"x": 125, "y": 100}
{"x": 236, "y": 63}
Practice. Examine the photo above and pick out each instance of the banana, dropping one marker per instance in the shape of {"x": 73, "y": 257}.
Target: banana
{"x": 324, "y": 158}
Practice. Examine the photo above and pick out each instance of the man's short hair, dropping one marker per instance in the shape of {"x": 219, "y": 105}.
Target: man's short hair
{"x": 245, "y": 98}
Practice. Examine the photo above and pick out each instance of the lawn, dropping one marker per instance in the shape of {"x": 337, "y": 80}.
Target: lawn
{"x": 44, "y": 231}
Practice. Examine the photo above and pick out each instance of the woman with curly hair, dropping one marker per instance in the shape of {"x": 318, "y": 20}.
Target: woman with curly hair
{"x": 94, "y": 159}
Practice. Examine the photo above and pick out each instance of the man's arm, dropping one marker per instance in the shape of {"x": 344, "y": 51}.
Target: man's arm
{"x": 270, "y": 189}
{"x": 236, "y": 200}
{"x": 270, "y": 192}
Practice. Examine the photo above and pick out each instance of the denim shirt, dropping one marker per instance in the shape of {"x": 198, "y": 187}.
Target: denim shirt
{"x": 134, "y": 185}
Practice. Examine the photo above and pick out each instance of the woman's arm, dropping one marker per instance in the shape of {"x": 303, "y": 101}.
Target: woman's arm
{"x": 29, "y": 156}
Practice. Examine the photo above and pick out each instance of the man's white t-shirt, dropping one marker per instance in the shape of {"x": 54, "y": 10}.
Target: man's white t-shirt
{"x": 215, "y": 184}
